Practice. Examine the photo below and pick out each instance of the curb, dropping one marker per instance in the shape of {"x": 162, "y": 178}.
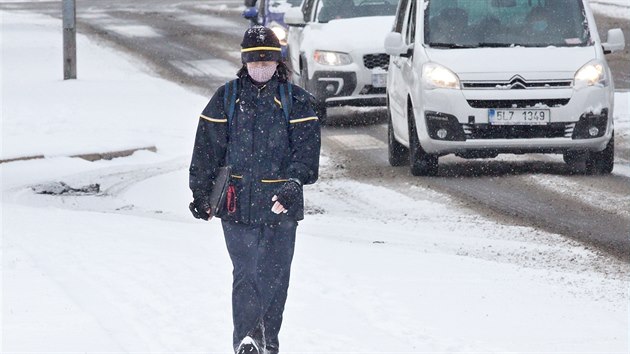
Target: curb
{"x": 89, "y": 157}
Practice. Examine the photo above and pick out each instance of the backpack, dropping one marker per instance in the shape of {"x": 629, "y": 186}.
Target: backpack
{"x": 231, "y": 91}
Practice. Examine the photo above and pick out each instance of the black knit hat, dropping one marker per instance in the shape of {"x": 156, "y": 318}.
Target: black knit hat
{"x": 260, "y": 44}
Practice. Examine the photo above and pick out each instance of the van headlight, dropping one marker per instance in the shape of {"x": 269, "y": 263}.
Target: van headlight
{"x": 437, "y": 76}
{"x": 331, "y": 58}
{"x": 593, "y": 73}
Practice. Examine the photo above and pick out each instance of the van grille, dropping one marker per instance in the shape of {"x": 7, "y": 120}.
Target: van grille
{"x": 487, "y": 131}
{"x": 372, "y": 61}
{"x": 516, "y": 83}
{"x": 518, "y": 103}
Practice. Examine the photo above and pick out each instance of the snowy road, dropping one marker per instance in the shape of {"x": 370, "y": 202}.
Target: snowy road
{"x": 195, "y": 43}
{"x": 539, "y": 191}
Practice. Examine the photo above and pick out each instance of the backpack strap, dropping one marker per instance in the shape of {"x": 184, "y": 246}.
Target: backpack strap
{"x": 229, "y": 104}
{"x": 286, "y": 98}
{"x": 229, "y": 98}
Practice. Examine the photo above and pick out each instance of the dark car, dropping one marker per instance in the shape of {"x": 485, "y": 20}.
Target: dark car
{"x": 270, "y": 13}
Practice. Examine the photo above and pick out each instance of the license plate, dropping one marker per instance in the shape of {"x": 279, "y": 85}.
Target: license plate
{"x": 519, "y": 116}
{"x": 379, "y": 79}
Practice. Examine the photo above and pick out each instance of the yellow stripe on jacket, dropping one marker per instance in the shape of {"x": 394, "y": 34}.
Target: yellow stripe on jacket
{"x": 273, "y": 180}
{"x": 301, "y": 120}
{"x": 213, "y": 120}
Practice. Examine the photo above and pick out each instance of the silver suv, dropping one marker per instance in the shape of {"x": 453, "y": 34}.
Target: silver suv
{"x": 336, "y": 50}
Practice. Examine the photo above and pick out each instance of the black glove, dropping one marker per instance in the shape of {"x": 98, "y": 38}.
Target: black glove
{"x": 289, "y": 194}
{"x": 198, "y": 208}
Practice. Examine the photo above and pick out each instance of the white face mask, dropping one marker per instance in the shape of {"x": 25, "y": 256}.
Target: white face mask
{"x": 262, "y": 73}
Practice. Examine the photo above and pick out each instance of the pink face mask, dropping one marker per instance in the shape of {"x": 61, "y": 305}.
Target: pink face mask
{"x": 263, "y": 73}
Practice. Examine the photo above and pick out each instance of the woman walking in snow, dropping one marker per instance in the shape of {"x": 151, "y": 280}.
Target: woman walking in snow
{"x": 266, "y": 130}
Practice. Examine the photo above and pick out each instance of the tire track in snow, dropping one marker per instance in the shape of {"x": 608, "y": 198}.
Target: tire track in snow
{"x": 500, "y": 190}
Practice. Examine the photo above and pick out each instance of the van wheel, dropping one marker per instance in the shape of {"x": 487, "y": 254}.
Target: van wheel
{"x": 420, "y": 163}
{"x": 398, "y": 154}
{"x": 573, "y": 158}
{"x": 601, "y": 162}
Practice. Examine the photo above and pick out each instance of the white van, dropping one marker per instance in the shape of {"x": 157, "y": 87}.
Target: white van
{"x": 477, "y": 78}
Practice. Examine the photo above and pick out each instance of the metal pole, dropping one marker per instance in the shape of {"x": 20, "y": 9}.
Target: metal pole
{"x": 69, "y": 40}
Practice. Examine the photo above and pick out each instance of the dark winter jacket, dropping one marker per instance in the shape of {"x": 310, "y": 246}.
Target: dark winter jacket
{"x": 263, "y": 148}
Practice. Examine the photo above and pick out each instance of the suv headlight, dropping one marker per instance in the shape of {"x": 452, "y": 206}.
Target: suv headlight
{"x": 331, "y": 58}
{"x": 279, "y": 31}
{"x": 593, "y": 73}
{"x": 437, "y": 76}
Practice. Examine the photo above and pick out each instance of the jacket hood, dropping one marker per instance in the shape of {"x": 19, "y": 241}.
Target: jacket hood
{"x": 343, "y": 35}
{"x": 504, "y": 63}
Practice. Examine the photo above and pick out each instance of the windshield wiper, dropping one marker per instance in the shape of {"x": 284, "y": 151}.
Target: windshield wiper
{"x": 496, "y": 45}
{"x": 450, "y": 45}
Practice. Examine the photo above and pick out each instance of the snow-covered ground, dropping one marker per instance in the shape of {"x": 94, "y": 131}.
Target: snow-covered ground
{"x": 128, "y": 270}
{"x": 612, "y": 8}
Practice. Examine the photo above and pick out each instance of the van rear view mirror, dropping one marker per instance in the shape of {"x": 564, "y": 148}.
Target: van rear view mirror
{"x": 394, "y": 45}
{"x": 294, "y": 17}
{"x": 615, "y": 42}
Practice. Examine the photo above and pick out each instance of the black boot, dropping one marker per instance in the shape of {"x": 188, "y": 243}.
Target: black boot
{"x": 271, "y": 349}
{"x": 248, "y": 346}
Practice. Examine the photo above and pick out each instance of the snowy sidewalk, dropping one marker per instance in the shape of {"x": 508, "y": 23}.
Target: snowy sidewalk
{"x": 128, "y": 270}
{"x": 114, "y": 105}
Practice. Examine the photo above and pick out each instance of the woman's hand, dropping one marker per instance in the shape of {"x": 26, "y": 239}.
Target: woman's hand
{"x": 287, "y": 196}
{"x": 199, "y": 210}
{"x": 277, "y": 207}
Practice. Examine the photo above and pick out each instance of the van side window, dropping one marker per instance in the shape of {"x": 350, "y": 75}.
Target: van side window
{"x": 306, "y": 9}
{"x": 411, "y": 25}
{"x": 400, "y": 16}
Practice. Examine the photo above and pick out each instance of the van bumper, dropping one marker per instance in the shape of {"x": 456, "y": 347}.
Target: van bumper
{"x": 464, "y": 114}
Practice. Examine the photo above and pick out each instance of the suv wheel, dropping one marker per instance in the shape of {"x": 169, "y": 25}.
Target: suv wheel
{"x": 318, "y": 107}
{"x": 398, "y": 154}
{"x": 320, "y": 111}
{"x": 304, "y": 77}
{"x": 420, "y": 163}
{"x": 601, "y": 162}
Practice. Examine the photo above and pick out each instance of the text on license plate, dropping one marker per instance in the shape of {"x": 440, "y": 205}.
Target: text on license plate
{"x": 379, "y": 79}
{"x": 518, "y": 116}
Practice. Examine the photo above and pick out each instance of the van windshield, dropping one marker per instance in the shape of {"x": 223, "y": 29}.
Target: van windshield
{"x": 505, "y": 23}
{"x": 340, "y": 9}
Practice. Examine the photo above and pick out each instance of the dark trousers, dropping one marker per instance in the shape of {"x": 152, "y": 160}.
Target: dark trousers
{"x": 261, "y": 256}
